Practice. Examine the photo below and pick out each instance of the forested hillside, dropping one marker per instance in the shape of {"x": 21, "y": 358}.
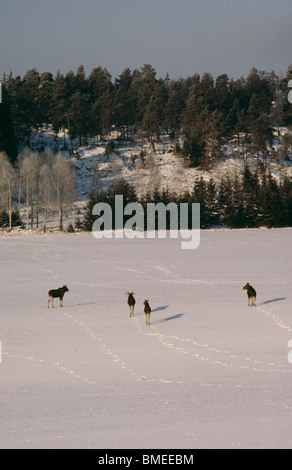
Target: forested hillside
{"x": 198, "y": 119}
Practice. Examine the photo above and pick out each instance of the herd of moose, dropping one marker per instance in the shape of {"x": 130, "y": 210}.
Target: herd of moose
{"x": 59, "y": 293}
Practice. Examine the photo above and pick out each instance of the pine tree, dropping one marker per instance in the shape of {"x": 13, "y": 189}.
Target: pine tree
{"x": 124, "y": 103}
{"x": 78, "y": 113}
{"x": 59, "y": 104}
{"x": 101, "y": 101}
{"x": 173, "y": 113}
{"x": 7, "y": 133}
{"x": 193, "y": 143}
{"x": 28, "y": 99}
{"x": 44, "y": 97}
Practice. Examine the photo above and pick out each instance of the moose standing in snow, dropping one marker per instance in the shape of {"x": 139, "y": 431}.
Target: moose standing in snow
{"x": 147, "y": 310}
{"x": 55, "y": 293}
{"x": 251, "y": 294}
{"x": 131, "y": 302}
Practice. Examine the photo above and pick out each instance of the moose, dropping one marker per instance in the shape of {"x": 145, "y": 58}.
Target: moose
{"x": 251, "y": 294}
{"x": 55, "y": 293}
{"x": 147, "y": 310}
{"x": 131, "y": 302}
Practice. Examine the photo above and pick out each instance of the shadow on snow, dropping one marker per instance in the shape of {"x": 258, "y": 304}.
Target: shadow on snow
{"x": 273, "y": 300}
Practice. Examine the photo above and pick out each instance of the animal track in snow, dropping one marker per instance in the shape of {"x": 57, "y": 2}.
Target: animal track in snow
{"x": 51, "y": 364}
{"x": 276, "y": 319}
{"x": 113, "y": 356}
{"x": 223, "y": 358}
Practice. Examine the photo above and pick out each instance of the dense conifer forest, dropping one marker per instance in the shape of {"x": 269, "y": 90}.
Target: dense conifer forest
{"x": 198, "y": 114}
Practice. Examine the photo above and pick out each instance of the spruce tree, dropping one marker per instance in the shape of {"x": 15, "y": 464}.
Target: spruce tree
{"x": 200, "y": 196}
{"x": 88, "y": 219}
{"x": 286, "y": 191}
{"x": 225, "y": 201}
{"x": 273, "y": 209}
{"x": 250, "y": 189}
{"x": 212, "y": 202}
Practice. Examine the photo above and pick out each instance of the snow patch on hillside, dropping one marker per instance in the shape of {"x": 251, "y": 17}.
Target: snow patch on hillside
{"x": 146, "y": 169}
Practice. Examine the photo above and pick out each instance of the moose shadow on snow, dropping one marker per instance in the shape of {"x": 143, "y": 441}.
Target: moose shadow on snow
{"x": 162, "y": 320}
{"x": 157, "y": 309}
{"x": 278, "y": 299}
{"x": 173, "y": 317}
{"x": 81, "y": 304}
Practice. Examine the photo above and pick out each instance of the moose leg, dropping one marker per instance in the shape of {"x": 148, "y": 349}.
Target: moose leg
{"x": 61, "y": 301}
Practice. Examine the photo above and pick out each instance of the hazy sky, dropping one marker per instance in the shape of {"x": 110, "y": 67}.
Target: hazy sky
{"x": 178, "y": 37}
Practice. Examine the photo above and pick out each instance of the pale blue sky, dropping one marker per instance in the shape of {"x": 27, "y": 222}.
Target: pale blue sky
{"x": 178, "y": 37}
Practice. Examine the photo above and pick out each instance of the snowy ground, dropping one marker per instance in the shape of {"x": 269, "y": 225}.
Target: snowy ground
{"x": 210, "y": 372}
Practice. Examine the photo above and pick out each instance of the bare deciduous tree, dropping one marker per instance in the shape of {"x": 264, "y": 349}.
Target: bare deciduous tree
{"x": 64, "y": 180}
{"x": 7, "y": 181}
{"x": 29, "y": 172}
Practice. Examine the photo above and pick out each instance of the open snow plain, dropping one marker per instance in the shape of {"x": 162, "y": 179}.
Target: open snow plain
{"x": 210, "y": 372}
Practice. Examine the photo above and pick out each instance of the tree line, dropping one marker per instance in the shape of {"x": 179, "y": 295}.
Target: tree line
{"x": 198, "y": 113}
{"x": 43, "y": 182}
{"x": 245, "y": 200}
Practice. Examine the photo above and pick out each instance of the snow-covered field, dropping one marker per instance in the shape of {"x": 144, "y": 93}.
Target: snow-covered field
{"x": 210, "y": 372}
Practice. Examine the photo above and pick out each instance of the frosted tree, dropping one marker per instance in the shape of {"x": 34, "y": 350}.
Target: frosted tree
{"x": 7, "y": 181}
{"x": 64, "y": 180}
{"x": 46, "y": 183}
{"x": 29, "y": 171}
{"x": 46, "y": 180}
